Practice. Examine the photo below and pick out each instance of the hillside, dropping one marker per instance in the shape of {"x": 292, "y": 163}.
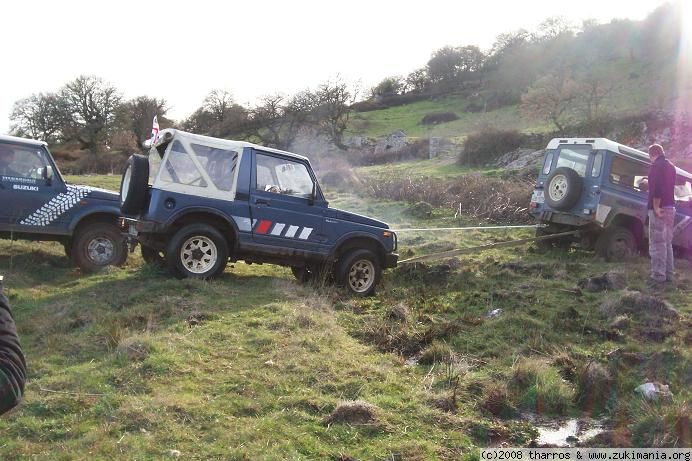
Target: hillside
{"x": 481, "y": 350}
{"x": 636, "y": 88}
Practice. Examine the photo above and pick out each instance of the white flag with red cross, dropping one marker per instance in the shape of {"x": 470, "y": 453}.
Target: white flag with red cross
{"x": 155, "y": 130}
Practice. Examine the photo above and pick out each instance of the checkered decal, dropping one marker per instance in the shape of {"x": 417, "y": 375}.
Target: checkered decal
{"x": 57, "y": 206}
{"x": 264, "y": 227}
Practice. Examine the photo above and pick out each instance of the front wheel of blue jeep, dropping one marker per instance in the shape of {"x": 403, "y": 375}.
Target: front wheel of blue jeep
{"x": 97, "y": 245}
{"x": 197, "y": 251}
{"x": 359, "y": 272}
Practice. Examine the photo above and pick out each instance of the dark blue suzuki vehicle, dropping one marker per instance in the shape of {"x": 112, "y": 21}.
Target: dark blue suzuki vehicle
{"x": 599, "y": 187}
{"x": 37, "y": 204}
{"x": 197, "y": 202}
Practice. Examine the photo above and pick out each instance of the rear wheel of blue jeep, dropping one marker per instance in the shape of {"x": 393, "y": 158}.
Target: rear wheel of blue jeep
{"x": 616, "y": 244}
{"x": 359, "y": 272}
{"x": 197, "y": 251}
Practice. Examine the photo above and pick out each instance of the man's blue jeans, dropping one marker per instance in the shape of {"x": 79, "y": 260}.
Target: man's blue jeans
{"x": 661, "y": 244}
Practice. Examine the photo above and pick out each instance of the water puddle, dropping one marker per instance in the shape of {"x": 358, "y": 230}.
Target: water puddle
{"x": 567, "y": 432}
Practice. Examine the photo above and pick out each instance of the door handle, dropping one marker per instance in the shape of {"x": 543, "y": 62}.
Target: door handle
{"x": 261, "y": 201}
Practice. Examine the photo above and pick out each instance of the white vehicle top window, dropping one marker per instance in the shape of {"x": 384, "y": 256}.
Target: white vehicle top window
{"x": 283, "y": 176}
{"x": 629, "y": 173}
{"x": 548, "y": 162}
{"x": 574, "y": 157}
{"x": 597, "y": 164}
{"x": 179, "y": 168}
{"x": 26, "y": 162}
{"x": 220, "y": 164}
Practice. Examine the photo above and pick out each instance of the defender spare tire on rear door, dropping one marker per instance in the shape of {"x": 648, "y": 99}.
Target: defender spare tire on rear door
{"x": 133, "y": 186}
{"x": 563, "y": 189}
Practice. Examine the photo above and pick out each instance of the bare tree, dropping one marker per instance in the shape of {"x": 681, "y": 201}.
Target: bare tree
{"x": 278, "y": 120}
{"x": 218, "y": 116}
{"x": 39, "y": 116}
{"x": 594, "y": 87}
{"x": 136, "y": 116}
{"x": 90, "y": 105}
{"x": 332, "y": 102}
{"x": 551, "y": 98}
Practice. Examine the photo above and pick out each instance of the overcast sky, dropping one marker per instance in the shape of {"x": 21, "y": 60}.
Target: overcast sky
{"x": 181, "y": 50}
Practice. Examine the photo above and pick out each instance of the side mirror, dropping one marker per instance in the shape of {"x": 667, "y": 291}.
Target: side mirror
{"x": 48, "y": 174}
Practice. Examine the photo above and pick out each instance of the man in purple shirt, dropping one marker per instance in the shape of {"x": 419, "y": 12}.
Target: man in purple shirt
{"x": 661, "y": 217}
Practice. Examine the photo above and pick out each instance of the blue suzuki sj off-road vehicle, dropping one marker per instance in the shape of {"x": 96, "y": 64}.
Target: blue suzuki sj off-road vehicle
{"x": 197, "y": 202}
{"x": 37, "y": 204}
{"x": 599, "y": 187}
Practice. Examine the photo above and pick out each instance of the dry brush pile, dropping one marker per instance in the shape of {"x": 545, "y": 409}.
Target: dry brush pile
{"x": 475, "y": 195}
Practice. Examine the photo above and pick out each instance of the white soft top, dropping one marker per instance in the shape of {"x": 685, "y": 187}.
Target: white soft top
{"x": 33, "y": 142}
{"x": 600, "y": 144}
{"x": 170, "y": 133}
{"x": 607, "y": 144}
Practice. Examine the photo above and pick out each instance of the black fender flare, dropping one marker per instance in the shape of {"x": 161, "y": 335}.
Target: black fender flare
{"x": 87, "y": 213}
{"x": 342, "y": 242}
{"x": 182, "y": 213}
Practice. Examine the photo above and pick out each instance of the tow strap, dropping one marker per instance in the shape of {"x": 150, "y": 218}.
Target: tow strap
{"x": 508, "y": 243}
{"x": 526, "y": 226}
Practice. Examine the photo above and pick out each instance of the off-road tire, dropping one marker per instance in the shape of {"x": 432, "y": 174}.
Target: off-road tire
{"x": 563, "y": 189}
{"x": 152, "y": 256}
{"x": 359, "y": 271}
{"x": 134, "y": 184}
{"x": 197, "y": 251}
{"x": 97, "y": 245}
{"x": 617, "y": 244}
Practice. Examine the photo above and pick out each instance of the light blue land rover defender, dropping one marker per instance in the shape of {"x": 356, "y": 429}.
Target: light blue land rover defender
{"x": 599, "y": 187}
{"x": 197, "y": 202}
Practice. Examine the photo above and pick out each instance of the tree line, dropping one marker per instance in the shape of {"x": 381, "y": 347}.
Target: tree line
{"x": 93, "y": 113}
{"x": 559, "y": 72}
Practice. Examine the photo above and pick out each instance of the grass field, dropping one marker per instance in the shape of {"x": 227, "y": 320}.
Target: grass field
{"x": 133, "y": 364}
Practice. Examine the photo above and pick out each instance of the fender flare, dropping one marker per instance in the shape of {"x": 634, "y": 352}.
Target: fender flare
{"x": 204, "y": 210}
{"x": 80, "y": 216}
{"x": 354, "y": 236}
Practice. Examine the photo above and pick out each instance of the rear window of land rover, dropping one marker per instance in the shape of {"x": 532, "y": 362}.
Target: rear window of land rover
{"x": 574, "y": 156}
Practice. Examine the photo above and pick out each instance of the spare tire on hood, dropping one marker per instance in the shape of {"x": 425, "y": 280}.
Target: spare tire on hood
{"x": 133, "y": 185}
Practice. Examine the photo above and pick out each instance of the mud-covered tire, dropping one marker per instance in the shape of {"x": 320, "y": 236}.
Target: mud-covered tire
{"x": 97, "y": 245}
{"x": 617, "y": 244}
{"x": 133, "y": 185}
{"x": 152, "y": 256}
{"x": 563, "y": 189}
{"x": 197, "y": 251}
{"x": 359, "y": 272}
